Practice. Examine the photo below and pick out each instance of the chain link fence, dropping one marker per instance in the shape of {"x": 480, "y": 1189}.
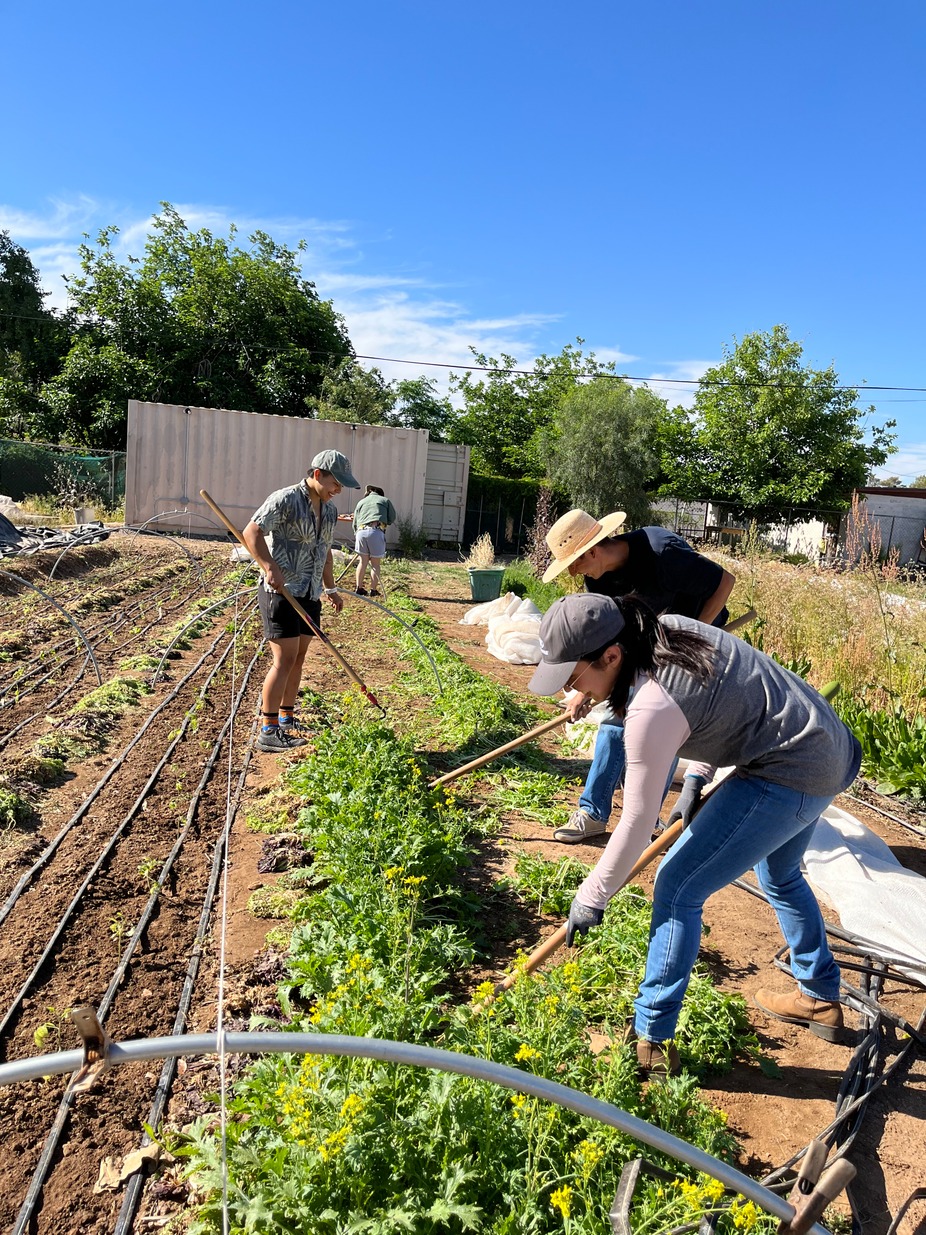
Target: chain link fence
{"x": 66, "y": 474}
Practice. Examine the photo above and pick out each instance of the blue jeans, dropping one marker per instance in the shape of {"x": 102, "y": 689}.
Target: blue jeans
{"x": 607, "y": 771}
{"x": 747, "y": 823}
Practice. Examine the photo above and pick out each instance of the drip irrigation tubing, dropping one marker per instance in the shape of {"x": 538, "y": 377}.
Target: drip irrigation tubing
{"x": 134, "y": 1187}
{"x": 99, "y": 635}
{"x": 164, "y": 536}
{"x": 50, "y": 849}
{"x": 51, "y": 704}
{"x": 226, "y": 600}
{"x": 409, "y": 1054}
{"x": 911, "y": 827}
{"x": 51, "y": 601}
{"x": 108, "y": 849}
{"x": 861, "y": 1078}
{"x": 53, "y": 1138}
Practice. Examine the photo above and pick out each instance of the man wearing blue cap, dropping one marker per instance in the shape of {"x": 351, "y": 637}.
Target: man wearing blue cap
{"x": 290, "y": 536}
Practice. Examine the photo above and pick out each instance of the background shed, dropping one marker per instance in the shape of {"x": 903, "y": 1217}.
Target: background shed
{"x": 240, "y": 457}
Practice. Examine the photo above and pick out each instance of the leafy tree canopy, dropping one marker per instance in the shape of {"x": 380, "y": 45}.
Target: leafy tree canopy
{"x": 32, "y": 339}
{"x": 352, "y": 393}
{"x": 419, "y": 406}
{"x": 506, "y": 412}
{"x": 768, "y": 433}
{"x": 601, "y": 447}
{"x": 197, "y": 320}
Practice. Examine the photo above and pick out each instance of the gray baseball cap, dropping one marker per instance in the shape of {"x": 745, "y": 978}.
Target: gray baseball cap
{"x": 338, "y": 465}
{"x": 571, "y": 629}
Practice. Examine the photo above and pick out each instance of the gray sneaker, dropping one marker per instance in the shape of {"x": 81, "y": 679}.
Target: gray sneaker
{"x": 277, "y": 741}
{"x": 581, "y": 826}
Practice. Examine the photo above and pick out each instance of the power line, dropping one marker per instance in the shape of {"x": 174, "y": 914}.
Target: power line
{"x": 859, "y": 388}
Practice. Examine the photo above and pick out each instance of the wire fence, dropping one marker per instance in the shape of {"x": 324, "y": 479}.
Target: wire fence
{"x": 69, "y": 474}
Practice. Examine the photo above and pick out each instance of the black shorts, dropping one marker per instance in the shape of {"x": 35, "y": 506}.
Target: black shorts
{"x": 281, "y": 621}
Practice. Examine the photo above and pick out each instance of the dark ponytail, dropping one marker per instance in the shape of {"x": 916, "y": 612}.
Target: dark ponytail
{"x": 647, "y": 645}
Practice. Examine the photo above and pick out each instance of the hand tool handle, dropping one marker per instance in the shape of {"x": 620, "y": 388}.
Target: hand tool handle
{"x": 501, "y": 750}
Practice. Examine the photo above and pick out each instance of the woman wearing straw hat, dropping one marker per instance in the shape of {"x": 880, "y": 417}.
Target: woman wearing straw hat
{"x": 671, "y": 577}
{"x": 682, "y": 687}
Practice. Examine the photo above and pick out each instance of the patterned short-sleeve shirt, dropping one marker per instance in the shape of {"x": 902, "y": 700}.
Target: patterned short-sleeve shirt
{"x": 296, "y": 544}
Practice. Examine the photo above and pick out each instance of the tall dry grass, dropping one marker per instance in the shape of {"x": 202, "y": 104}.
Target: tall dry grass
{"x": 853, "y": 625}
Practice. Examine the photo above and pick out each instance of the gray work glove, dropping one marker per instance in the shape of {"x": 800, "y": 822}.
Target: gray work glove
{"x": 688, "y": 799}
{"x": 581, "y": 920}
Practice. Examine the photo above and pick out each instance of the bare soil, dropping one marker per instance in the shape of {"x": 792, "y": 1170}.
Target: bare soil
{"x": 773, "y": 1118}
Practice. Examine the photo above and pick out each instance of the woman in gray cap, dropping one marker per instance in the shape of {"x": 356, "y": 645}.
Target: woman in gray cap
{"x": 705, "y": 695}
{"x": 290, "y": 536}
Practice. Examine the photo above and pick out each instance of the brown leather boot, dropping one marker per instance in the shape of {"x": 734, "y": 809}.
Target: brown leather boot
{"x": 821, "y": 1016}
{"x": 658, "y": 1058}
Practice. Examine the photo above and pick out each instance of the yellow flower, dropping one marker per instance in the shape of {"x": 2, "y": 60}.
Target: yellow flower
{"x": 562, "y": 1200}
{"x": 413, "y": 881}
{"x": 351, "y": 1106}
{"x": 588, "y": 1154}
{"x": 714, "y": 1190}
{"x": 517, "y": 1101}
{"x": 483, "y": 991}
{"x": 391, "y": 871}
{"x": 525, "y": 1052}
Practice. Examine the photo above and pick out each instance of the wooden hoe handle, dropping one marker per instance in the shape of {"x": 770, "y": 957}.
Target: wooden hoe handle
{"x": 315, "y": 629}
{"x": 501, "y": 750}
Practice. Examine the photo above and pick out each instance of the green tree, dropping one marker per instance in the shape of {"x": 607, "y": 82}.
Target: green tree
{"x": 351, "y": 393}
{"x": 918, "y": 483}
{"x": 889, "y": 482}
{"x": 506, "y": 412}
{"x": 602, "y": 447}
{"x": 33, "y": 340}
{"x": 196, "y": 320}
{"x": 768, "y": 433}
{"x": 418, "y": 406}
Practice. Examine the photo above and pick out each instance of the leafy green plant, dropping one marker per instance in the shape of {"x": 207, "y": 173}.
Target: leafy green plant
{"x": 15, "y": 809}
{"x": 52, "y": 1028}
{"x": 893, "y": 746}
{"x": 519, "y": 578}
{"x": 412, "y": 537}
{"x": 549, "y": 885}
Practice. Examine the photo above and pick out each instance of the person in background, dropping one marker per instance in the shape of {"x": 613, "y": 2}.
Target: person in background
{"x": 671, "y": 577}
{"x": 681, "y": 687}
{"x": 290, "y": 537}
{"x": 372, "y": 515}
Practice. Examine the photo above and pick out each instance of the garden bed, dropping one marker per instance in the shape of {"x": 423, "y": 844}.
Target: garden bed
{"x": 770, "y": 1116}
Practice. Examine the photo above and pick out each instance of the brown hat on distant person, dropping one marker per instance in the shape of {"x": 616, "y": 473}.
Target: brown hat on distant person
{"x": 574, "y": 534}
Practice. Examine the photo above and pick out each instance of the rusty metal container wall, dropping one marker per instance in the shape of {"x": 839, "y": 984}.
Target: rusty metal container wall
{"x": 241, "y": 457}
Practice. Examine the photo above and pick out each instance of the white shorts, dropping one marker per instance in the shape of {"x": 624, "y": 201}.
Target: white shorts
{"x": 371, "y": 542}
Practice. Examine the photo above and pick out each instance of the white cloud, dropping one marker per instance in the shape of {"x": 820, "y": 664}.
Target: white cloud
{"x": 908, "y": 463}
{"x": 678, "y": 384}
{"x": 61, "y": 221}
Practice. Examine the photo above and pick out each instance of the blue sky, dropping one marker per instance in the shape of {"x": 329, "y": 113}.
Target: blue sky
{"x": 658, "y": 178}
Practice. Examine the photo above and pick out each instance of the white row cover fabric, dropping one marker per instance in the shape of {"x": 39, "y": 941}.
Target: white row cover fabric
{"x": 514, "y": 628}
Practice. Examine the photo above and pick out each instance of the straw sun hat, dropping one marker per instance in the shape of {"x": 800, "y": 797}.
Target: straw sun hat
{"x": 574, "y": 534}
